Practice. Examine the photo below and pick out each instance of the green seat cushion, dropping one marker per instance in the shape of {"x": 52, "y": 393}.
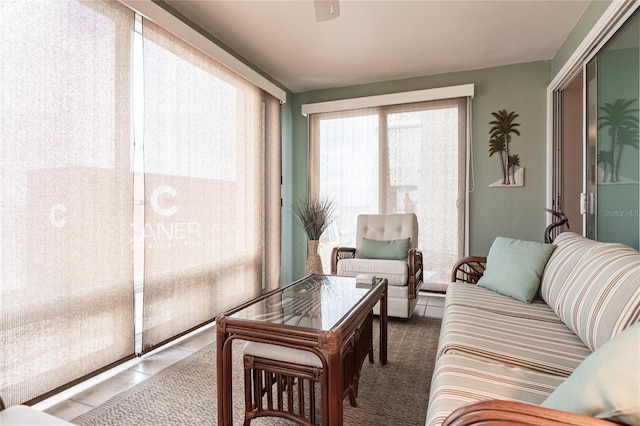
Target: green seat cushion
{"x": 514, "y": 267}
{"x": 383, "y": 249}
{"x": 607, "y": 383}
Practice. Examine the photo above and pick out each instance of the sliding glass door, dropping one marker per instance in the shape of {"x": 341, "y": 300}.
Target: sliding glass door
{"x": 595, "y": 137}
{"x": 611, "y": 200}
{"x": 568, "y": 152}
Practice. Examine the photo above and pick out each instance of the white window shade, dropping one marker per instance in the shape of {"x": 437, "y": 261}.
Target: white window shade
{"x": 166, "y": 20}
{"x": 204, "y": 232}
{"x": 66, "y": 299}
{"x": 408, "y": 158}
{"x": 211, "y": 228}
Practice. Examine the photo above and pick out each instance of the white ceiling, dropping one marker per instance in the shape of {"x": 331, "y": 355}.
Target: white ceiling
{"x": 381, "y": 40}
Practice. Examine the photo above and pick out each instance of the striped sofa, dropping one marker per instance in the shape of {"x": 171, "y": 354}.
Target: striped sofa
{"x": 496, "y": 353}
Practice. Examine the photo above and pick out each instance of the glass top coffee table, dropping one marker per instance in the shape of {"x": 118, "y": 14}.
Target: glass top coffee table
{"x": 314, "y": 313}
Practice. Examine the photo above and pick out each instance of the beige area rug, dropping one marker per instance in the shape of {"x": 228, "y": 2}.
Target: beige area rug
{"x": 185, "y": 393}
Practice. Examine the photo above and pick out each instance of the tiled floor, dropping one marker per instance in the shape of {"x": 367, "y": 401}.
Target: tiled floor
{"x": 98, "y": 390}
{"x": 433, "y": 305}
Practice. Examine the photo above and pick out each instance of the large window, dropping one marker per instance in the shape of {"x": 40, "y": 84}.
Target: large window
{"x": 207, "y": 152}
{"x": 66, "y": 278}
{"x": 398, "y": 159}
{"x": 139, "y": 191}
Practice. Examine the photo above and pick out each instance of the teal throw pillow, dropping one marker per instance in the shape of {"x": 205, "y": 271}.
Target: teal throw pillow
{"x": 514, "y": 267}
{"x": 382, "y": 249}
{"x": 606, "y": 384}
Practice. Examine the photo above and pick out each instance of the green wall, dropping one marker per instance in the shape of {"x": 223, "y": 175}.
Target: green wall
{"x": 509, "y": 212}
{"x": 586, "y": 22}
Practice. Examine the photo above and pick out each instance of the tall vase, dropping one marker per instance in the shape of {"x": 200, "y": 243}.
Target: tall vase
{"x": 314, "y": 263}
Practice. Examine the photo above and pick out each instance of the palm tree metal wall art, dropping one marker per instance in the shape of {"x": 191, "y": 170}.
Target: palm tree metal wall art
{"x": 500, "y": 134}
{"x": 514, "y": 161}
{"x": 622, "y": 120}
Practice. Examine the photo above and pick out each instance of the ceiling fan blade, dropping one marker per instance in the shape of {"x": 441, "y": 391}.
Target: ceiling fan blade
{"x": 326, "y": 9}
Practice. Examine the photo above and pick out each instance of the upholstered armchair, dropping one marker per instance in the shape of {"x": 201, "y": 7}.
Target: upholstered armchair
{"x": 386, "y": 246}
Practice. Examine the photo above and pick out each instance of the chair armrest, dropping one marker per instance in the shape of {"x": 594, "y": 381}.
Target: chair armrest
{"x": 414, "y": 261}
{"x": 469, "y": 269}
{"x": 511, "y": 412}
{"x": 339, "y": 253}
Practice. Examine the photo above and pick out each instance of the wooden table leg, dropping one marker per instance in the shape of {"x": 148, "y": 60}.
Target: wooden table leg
{"x": 336, "y": 387}
{"x": 383, "y": 326}
{"x": 224, "y": 385}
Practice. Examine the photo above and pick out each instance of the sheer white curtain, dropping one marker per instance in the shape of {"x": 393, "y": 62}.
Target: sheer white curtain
{"x": 395, "y": 159}
{"x": 211, "y": 227}
{"x": 66, "y": 300}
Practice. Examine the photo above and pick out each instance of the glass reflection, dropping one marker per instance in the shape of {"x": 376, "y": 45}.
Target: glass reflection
{"x": 616, "y": 156}
{"x": 318, "y": 302}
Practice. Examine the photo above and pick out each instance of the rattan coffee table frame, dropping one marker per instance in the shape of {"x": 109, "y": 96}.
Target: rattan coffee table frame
{"x": 336, "y": 342}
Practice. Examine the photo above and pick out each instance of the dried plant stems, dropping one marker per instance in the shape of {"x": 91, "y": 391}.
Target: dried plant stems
{"x": 314, "y": 215}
